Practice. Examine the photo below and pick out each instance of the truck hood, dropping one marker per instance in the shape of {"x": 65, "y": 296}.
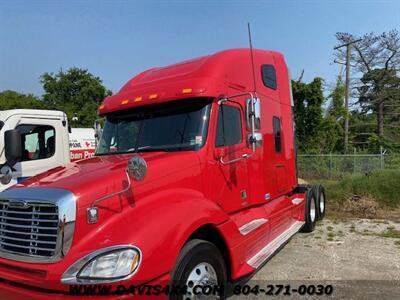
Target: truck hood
{"x": 97, "y": 177}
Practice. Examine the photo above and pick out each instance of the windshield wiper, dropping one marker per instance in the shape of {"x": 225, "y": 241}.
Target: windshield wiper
{"x": 154, "y": 149}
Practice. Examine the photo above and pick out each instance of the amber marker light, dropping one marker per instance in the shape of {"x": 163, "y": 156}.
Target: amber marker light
{"x": 153, "y": 96}
{"x": 187, "y": 91}
{"x": 124, "y": 102}
{"x": 138, "y": 99}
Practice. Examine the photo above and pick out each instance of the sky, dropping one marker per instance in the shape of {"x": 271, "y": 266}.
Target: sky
{"x": 115, "y": 40}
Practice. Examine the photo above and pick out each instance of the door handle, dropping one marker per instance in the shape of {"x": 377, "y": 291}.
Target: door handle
{"x": 243, "y": 157}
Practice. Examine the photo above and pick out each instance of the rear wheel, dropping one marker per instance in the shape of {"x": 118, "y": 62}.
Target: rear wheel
{"x": 200, "y": 264}
{"x": 310, "y": 213}
{"x": 321, "y": 202}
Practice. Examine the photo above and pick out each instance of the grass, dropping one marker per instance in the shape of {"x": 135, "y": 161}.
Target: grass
{"x": 388, "y": 233}
{"x": 382, "y": 185}
{"x": 331, "y": 235}
{"x": 391, "y": 233}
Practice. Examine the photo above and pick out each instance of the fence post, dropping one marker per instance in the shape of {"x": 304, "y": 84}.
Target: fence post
{"x": 330, "y": 165}
{"x": 382, "y": 162}
{"x": 354, "y": 161}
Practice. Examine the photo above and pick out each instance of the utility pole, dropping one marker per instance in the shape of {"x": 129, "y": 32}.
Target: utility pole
{"x": 347, "y": 94}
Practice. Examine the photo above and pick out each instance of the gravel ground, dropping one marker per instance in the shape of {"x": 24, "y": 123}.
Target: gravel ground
{"x": 360, "y": 258}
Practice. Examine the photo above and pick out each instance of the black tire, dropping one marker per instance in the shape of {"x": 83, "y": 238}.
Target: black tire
{"x": 321, "y": 202}
{"x": 194, "y": 253}
{"x": 310, "y": 212}
{"x": 315, "y": 189}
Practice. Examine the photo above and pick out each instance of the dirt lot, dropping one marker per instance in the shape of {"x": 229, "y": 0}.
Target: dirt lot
{"x": 360, "y": 258}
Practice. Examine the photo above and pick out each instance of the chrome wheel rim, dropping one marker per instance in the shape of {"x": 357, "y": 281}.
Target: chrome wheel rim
{"x": 312, "y": 210}
{"x": 201, "y": 275}
{"x": 322, "y": 203}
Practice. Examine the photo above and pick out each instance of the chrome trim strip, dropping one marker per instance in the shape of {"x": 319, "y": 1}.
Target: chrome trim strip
{"x": 252, "y": 225}
{"x": 24, "y": 247}
{"x": 33, "y": 220}
{"x": 27, "y": 233}
{"x": 274, "y": 245}
{"x": 31, "y": 213}
{"x": 297, "y": 201}
{"x": 70, "y": 275}
{"x": 66, "y": 204}
{"x": 28, "y": 240}
{"x": 29, "y": 226}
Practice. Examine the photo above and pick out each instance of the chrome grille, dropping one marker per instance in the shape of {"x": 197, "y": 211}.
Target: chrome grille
{"x": 37, "y": 224}
{"x": 30, "y": 229}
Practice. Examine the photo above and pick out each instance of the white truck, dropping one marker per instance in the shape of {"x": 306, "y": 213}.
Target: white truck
{"x": 47, "y": 142}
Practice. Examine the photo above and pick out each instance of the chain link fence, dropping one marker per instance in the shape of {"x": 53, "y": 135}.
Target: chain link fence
{"x": 335, "y": 166}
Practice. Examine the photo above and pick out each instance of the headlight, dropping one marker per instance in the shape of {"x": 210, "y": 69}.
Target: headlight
{"x": 119, "y": 263}
{"x": 106, "y": 265}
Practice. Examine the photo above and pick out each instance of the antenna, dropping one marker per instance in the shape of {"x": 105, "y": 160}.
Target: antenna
{"x": 251, "y": 55}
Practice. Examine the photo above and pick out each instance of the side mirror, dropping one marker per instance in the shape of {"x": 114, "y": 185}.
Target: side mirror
{"x": 98, "y": 131}
{"x": 12, "y": 146}
{"x": 137, "y": 168}
{"x": 257, "y": 113}
{"x": 255, "y": 139}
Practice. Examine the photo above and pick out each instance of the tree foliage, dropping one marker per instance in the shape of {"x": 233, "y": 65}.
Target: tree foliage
{"x": 377, "y": 58}
{"x": 336, "y": 107}
{"x": 308, "y": 99}
{"x": 316, "y": 132}
{"x": 15, "y": 100}
{"x": 76, "y": 92}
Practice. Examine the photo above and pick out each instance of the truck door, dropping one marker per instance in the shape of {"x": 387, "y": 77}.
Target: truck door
{"x": 279, "y": 209}
{"x": 42, "y": 146}
{"x": 230, "y": 179}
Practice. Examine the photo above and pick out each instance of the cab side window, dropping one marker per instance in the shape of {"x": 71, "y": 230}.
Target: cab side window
{"x": 229, "y": 126}
{"x": 277, "y": 134}
{"x": 38, "y": 141}
{"x": 268, "y": 74}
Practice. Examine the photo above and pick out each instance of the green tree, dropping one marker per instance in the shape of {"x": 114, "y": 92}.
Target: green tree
{"x": 76, "y": 92}
{"x": 336, "y": 107}
{"x": 308, "y": 100}
{"x": 14, "y": 100}
{"x": 380, "y": 94}
{"x": 316, "y": 133}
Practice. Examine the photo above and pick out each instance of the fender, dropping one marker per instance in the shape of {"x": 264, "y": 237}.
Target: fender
{"x": 162, "y": 220}
{"x": 179, "y": 213}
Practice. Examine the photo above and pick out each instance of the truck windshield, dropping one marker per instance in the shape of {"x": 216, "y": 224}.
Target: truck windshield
{"x": 174, "y": 126}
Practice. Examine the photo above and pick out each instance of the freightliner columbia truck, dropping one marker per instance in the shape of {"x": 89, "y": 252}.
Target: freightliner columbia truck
{"x": 193, "y": 182}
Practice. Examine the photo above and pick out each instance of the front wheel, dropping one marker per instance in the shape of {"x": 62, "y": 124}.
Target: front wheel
{"x": 201, "y": 269}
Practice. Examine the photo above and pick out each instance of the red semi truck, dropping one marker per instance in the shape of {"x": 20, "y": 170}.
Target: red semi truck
{"x": 193, "y": 182}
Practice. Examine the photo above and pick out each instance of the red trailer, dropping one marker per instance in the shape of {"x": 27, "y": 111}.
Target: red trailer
{"x": 194, "y": 181}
